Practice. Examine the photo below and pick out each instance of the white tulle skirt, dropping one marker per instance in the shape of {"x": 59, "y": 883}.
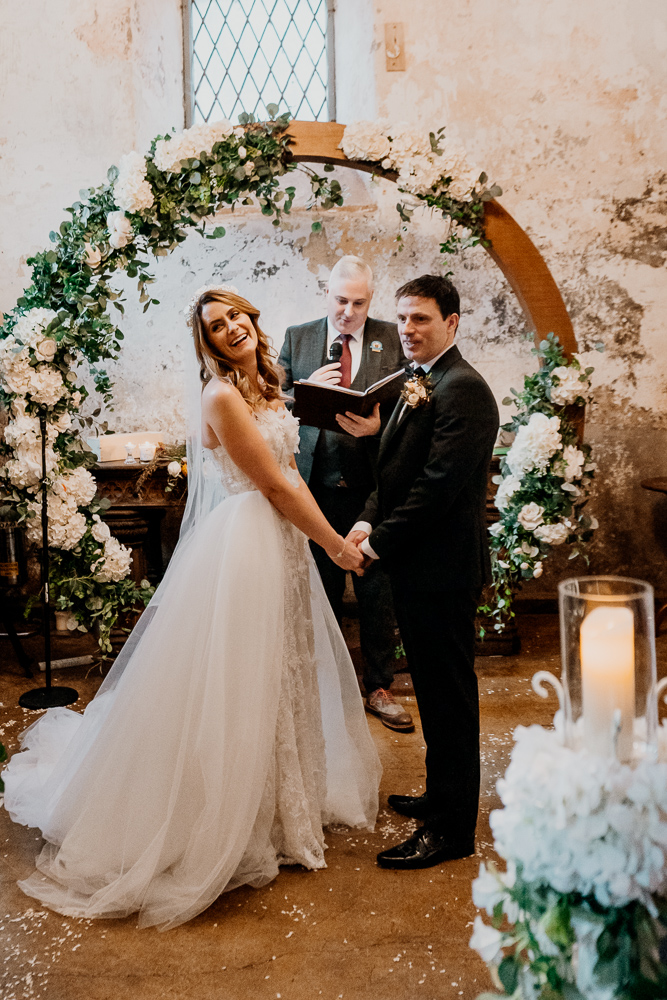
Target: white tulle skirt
{"x": 227, "y": 734}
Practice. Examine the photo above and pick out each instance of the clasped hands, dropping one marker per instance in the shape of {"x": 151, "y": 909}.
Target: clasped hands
{"x": 351, "y": 556}
{"x": 350, "y": 422}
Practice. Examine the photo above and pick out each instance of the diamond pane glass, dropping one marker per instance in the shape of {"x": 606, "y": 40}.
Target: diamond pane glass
{"x": 250, "y": 53}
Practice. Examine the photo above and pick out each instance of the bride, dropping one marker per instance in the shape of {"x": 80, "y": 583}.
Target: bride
{"x": 230, "y": 730}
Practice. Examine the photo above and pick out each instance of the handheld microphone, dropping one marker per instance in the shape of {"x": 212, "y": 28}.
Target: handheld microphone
{"x": 335, "y": 351}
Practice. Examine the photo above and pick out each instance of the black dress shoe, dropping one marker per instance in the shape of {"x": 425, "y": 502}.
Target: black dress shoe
{"x": 425, "y": 849}
{"x": 415, "y": 806}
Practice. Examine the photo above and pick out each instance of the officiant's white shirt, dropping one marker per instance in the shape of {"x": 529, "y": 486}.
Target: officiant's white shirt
{"x": 356, "y": 343}
{"x": 364, "y": 525}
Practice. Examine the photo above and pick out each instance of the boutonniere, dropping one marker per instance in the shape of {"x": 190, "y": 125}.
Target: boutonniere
{"x": 417, "y": 390}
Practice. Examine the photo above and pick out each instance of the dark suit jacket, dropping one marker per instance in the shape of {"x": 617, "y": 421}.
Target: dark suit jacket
{"x": 429, "y": 509}
{"x": 304, "y": 350}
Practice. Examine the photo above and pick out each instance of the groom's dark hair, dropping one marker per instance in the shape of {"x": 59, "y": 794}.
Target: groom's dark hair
{"x": 433, "y": 286}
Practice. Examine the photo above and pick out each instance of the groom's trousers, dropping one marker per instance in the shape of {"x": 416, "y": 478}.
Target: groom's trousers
{"x": 438, "y": 633}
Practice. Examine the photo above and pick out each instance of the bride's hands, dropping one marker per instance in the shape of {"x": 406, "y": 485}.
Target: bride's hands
{"x": 347, "y": 556}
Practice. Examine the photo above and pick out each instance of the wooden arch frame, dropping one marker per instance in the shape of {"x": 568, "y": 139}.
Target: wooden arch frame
{"x": 511, "y": 249}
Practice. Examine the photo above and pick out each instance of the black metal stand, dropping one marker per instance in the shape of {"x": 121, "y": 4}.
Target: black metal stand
{"x": 48, "y": 696}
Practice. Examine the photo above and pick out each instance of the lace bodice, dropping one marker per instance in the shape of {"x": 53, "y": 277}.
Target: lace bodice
{"x": 280, "y": 430}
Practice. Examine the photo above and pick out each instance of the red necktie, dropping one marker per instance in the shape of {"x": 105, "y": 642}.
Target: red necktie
{"x": 345, "y": 361}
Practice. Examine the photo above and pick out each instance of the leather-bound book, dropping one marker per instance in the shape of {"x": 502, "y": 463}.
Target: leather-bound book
{"x": 316, "y": 404}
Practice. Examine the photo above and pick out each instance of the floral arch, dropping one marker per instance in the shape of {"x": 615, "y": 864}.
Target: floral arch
{"x": 64, "y": 318}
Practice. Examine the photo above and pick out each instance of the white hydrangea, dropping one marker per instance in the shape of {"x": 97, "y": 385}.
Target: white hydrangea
{"x": 78, "y": 486}
{"x": 581, "y": 822}
{"x": 67, "y": 526}
{"x": 15, "y": 367}
{"x": 407, "y": 143}
{"x": 420, "y": 175}
{"x": 23, "y": 434}
{"x": 30, "y": 327}
{"x": 366, "y": 141}
{"x": 132, "y": 192}
{"x": 120, "y": 230}
{"x": 114, "y": 564}
{"x": 507, "y": 488}
{"x": 189, "y": 144}
{"x": 534, "y": 445}
{"x": 62, "y": 423}
{"x": 455, "y": 165}
{"x": 46, "y": 385}
{"x": 568, "y": 386}
{"x": 553, "y": 534}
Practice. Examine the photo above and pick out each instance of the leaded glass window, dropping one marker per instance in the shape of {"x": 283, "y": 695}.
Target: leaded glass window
{"x": 247, "y": 54}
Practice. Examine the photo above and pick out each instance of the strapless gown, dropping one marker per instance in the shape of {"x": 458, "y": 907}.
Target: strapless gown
{"x": 230, "y": 732}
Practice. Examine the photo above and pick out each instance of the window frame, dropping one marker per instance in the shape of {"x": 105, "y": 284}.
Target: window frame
{"x": 188, "y": 58}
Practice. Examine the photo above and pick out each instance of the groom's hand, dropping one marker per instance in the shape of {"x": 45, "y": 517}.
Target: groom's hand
{"x": 360, "y": 426}
{"x": 356, "y": 537}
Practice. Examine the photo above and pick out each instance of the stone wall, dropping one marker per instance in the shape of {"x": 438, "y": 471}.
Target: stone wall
{"x": 562, "y": 104}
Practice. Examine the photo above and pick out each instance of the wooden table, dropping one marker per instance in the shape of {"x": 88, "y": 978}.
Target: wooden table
{"x": 657, "y": 486}
{"x": 138, "y": 505}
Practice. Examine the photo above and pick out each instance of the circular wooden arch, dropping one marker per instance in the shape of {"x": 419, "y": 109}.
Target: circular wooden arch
{"x": 511, "y": 249}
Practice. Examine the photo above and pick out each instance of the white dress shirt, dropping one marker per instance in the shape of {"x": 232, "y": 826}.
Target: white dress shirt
{"x": 365, "y": 547}
{"x": 355, "y": 343}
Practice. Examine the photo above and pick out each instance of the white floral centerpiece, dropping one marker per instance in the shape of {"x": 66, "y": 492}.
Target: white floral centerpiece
{"x": 546, "y": 478}
{"x": 581, "y": 910}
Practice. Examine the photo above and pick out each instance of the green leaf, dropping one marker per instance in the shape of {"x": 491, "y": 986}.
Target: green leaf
{"x": 328, "y": 167}
{"x": 272, "y": 110}
{"x": 508, "y": 973}
{"x": 316, "y": 227}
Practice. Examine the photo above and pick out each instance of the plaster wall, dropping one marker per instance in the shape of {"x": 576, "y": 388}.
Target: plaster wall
{"x": 563, "y": 104}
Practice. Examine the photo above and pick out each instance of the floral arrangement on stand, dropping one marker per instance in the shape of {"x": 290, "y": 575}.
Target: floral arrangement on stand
{"x": 581, "y": 911}
{"x": 430, "y": 168}
{"x": 546, "y": 478}
{"x": 63, "y": 321}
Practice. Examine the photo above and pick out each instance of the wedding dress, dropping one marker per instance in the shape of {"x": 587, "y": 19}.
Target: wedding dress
{"x": 230, "y": 731}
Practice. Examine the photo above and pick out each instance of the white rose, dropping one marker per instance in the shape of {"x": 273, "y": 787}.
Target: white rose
{"x": 530, "y": 516}
{"x": 552, "y": 534}
{"x": 508, "y": 487}
{"x": 534, "y": 444}
{"x": 120, "y": 230}
{"x": 46, "y": 349}
{"x": 365, "y": 141}
{"x": 174, "y": 469}
{"x": 573, "y": 463}
{"x": 63, "y": 423}
{"x": 132, "y": 192}
{"x": 93, "y": 255}
{"x": 413, "y": 398}
{"x": 100, "y": 531}
{"x": 497, "y": 529}
{"x": 487, "y": 890}
{"x": 486, "y": 941}
{"x": 243, "y": 152}
{"x": 568, "y": 385}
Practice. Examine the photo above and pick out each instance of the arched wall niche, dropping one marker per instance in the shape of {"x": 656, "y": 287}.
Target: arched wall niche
{"x": 511, "y": 249}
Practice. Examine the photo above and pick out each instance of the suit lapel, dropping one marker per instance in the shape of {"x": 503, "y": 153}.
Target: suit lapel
{"x": 371, "y": 361}
{"x": 318, "y": 345}
{"x": 399, "y": 419}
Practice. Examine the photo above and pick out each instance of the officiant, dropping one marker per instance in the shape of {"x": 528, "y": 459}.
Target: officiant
{"x": 340, "y": 467}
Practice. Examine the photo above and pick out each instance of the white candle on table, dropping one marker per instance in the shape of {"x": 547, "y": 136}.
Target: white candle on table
{"x": 608, "y": 679}
{"x": 146, "y": 451}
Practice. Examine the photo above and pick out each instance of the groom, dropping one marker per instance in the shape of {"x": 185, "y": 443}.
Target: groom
{"x": 426, "y": 524}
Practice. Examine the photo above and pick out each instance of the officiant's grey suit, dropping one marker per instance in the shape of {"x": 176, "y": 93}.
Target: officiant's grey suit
{"x": 340, "y": 471}
{"x": 429, "y": 530}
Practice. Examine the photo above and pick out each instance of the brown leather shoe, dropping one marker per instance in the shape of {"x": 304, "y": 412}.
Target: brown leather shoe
{"x": 392, "y": 714}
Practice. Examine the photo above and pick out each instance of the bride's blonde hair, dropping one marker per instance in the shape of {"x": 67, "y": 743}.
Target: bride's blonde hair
{"x": 212, "y": 364}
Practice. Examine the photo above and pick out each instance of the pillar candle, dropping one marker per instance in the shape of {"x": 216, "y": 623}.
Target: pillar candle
{"x": 146, "y": 452}
{"x": 608, "y": 679}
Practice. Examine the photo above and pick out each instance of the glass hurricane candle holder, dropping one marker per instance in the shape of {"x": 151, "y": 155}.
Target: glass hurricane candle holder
{"x": 607, "y": 637}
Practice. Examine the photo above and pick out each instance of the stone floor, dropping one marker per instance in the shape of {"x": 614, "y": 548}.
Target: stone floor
{"x": 349, "y": 932}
